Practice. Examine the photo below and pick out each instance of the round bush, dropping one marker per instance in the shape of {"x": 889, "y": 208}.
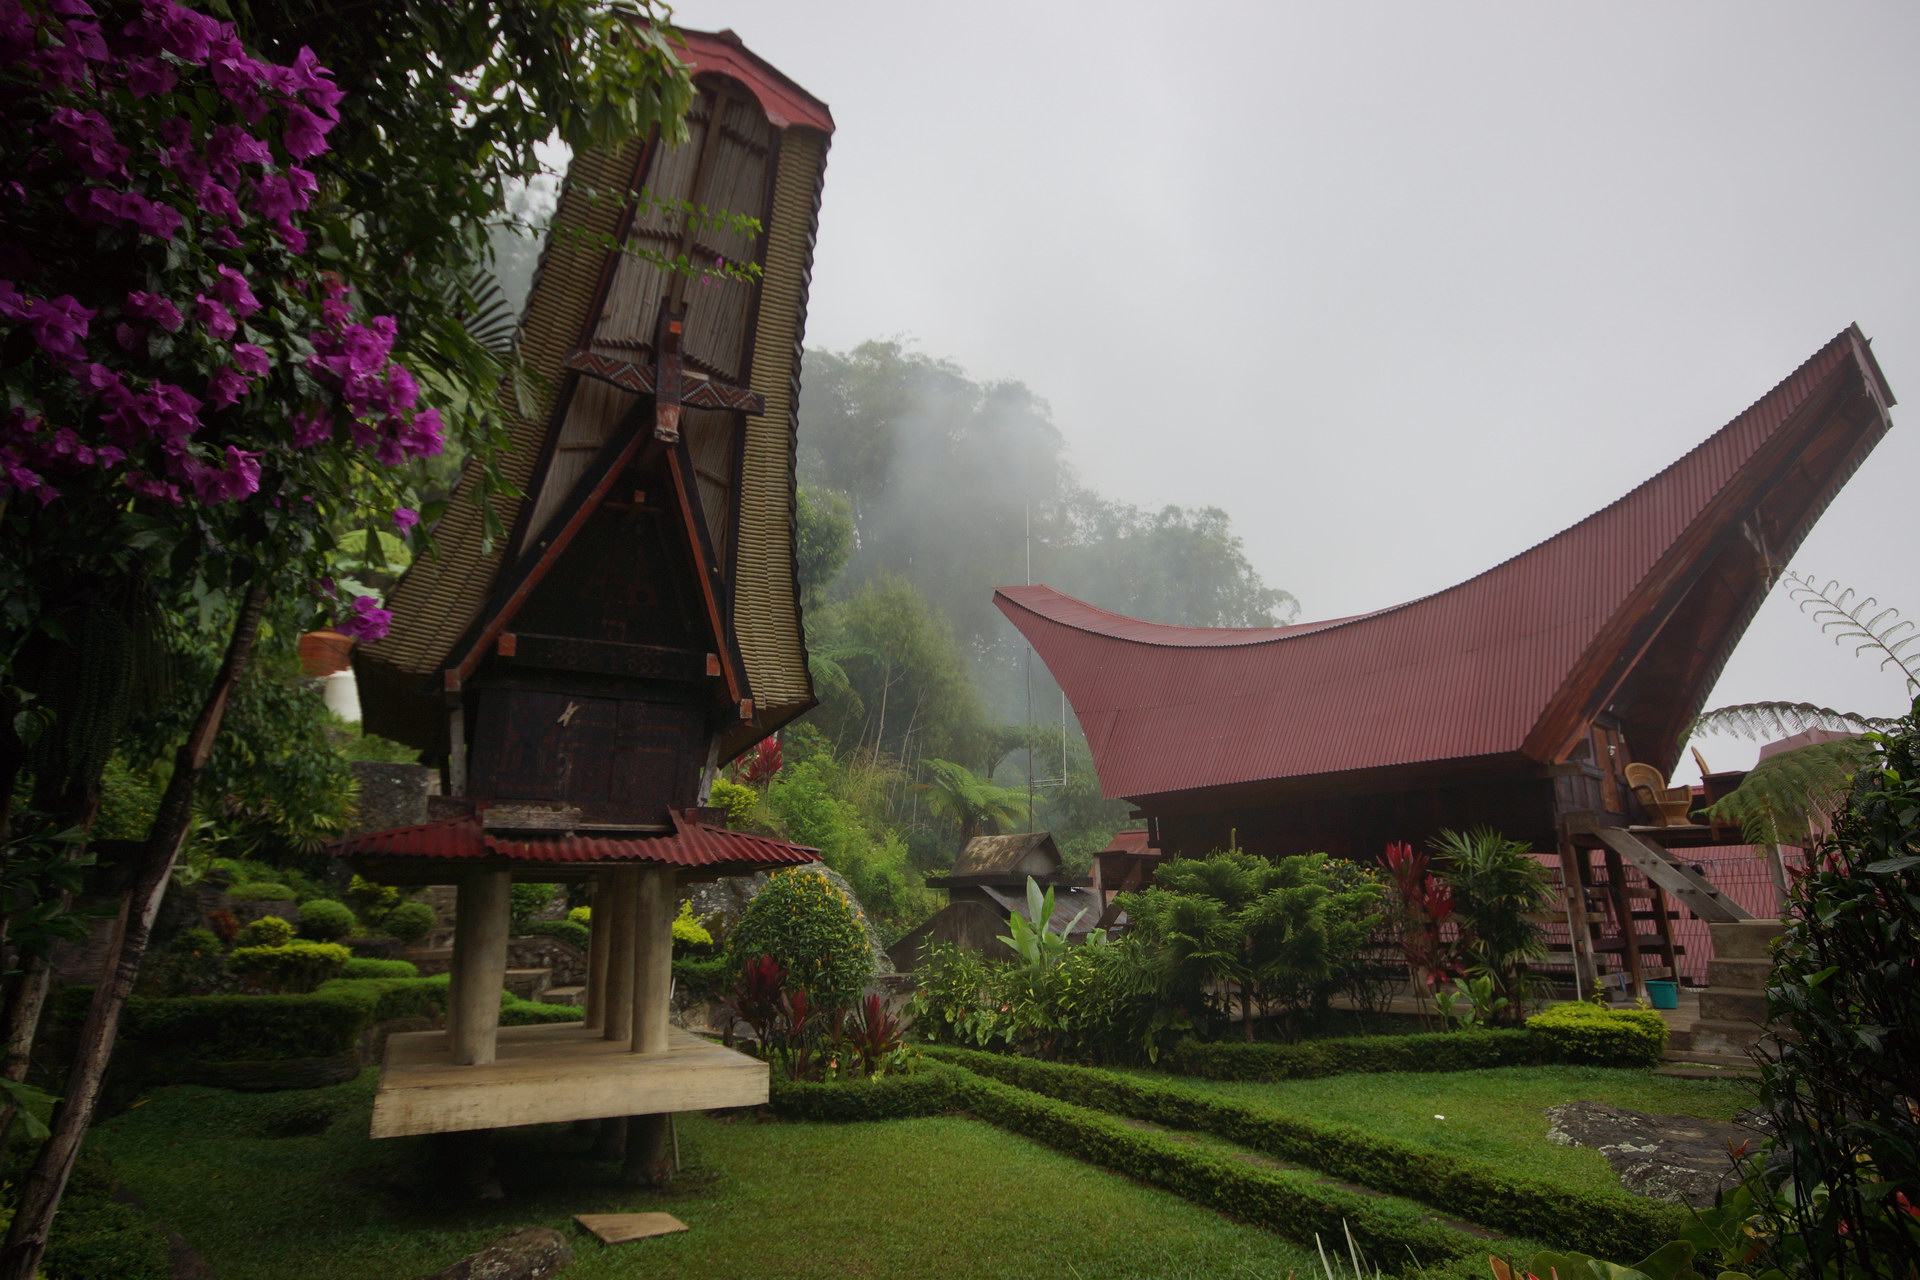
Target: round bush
{"x": 267, "y": 931}
{"x": 323, "y": 920}
{"x": 297, "y": 967}
{"x": 410, "y": 921}
{"x": 807, "y": 924}
{"x": 260, "y": 891}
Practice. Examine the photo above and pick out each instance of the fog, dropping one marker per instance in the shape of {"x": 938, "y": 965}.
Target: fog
{"x": 1402, "y": 288}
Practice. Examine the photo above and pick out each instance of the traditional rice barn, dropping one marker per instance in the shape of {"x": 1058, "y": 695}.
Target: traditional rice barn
{"x": 635, "y": 621}
{"x": 1517, "y": 699}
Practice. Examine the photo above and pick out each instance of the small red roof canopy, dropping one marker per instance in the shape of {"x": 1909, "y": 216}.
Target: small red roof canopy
{"x": 1634, "y": 610}
{"x": 691, "y": 845}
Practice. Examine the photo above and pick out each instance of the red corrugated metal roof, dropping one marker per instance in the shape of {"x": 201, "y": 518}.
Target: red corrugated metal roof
{"x": 690, "y": 844}
{"x": 1129, "y": 843}
{"x": 1477, "y": 670}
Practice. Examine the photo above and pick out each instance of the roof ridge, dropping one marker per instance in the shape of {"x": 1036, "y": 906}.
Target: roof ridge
{"x": 1298, "y": 630}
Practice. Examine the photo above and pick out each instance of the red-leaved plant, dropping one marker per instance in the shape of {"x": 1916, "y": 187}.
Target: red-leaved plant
{"x": 1426, "y": 906}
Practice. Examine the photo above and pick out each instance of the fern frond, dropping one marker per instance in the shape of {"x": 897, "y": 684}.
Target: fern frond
{"x": 1766, "y": 720}
{"x": 1841, "y": 615}
{"x": 1784, "y": 797}
{"x": 485, "y": 313}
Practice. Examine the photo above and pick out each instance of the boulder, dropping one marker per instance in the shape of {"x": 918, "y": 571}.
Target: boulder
{"x": 1683, "y": 1159}
{"x": 531, "y": 1253}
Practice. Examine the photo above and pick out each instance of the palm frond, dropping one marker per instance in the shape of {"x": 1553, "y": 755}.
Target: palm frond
{"x": 1845, "y": 615}
{"x": 1784, "y": 797}
{"x": 1767, "y": 720}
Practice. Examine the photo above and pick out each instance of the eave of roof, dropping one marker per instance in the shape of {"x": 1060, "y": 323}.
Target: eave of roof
{"x": 1497, "y": 667}
{"x": 690, "y": 845}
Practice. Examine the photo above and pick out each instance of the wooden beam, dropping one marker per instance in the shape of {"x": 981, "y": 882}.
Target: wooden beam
{"x": 598, "y": 926}
{"x": 1579, "y": 939}
{"x": 1623, "y": 916}
{"x": 617, "y": 1011}
{"x": 1693, "y": 889}
{"x": 481, "y": 921}
{"x": 652, "y": 958}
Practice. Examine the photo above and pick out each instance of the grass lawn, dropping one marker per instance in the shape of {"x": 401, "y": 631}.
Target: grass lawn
{"x": 1493, "y": 1115}
{"x": 944, "y": 1196}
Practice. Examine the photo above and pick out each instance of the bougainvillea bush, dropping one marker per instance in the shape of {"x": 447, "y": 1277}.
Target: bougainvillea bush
{"x": 187, "y": 387}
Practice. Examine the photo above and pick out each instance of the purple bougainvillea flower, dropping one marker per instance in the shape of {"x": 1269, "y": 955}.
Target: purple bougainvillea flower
{"x": 225, "y": 388}
{"x": 216, "y": 199}
{"x": 13, "y": 304}
{"x": 147, "y": 77}
{"x": 237, "y": 76}
{"x": 177, "y": 29}
{"x": 230, "y": 146}
{"x": 250, "y": 359}
{"x": 368, "y": 621}
{"x": 59, "y": 325}
{"x": 404, "y": 518}
{"x": 61, "y": 64}
{"x": 85, "y": 39}
{"x": 96, "y": 378}
{"x": 293, "y": 237}
{"x": 213, "y": 313}
{"x": 232, "y": 289}
{"x": 14, "y": 474}
{"x": 154, "y": 307}
{"x": 310, "y": 428}
{"x": 86, "y": 138}
{"x": 306, "y": 133}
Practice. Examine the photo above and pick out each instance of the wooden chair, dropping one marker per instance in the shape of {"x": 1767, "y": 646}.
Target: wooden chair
{"x": 1667, "y": 806}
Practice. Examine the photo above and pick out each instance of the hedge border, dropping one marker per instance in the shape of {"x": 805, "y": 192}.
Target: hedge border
{"x": 935, "y": 1089}
{"x": 1350, "y": 1055}
{"x": 1289, "y": 1206}
{"x": 1605, "y": 1224}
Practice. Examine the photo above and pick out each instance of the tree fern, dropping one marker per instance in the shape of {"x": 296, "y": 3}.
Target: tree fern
{"x": 1785, "y": 796}
{"x": 1845, "y": 615}
{"x": 1768, "y": 720}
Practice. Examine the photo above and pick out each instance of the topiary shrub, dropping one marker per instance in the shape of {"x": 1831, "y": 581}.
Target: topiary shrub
{"x": 410, "y": 921}
{"x": 295, "y": 967}
{"x": 361, "y": 967}
{"x": 690, "y": 935}
{"x": 1586, "y": 1033}
{"x": 324, "y": 920}
{"x": 811, "y": 927}
{"x": 566, "y": 930}
{"x": 260, "y": 891}
{"x": 267, "y": 931}
{"x": 194, "y": 962}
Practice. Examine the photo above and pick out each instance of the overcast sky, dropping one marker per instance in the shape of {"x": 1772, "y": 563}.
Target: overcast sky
{"x": 1405, "y": 288}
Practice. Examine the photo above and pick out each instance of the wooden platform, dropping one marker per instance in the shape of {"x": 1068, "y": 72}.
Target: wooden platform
{"x": 556, "y": 1072}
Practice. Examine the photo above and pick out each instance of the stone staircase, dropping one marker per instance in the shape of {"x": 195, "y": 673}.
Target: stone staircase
{"x": 1733, "y": 1009}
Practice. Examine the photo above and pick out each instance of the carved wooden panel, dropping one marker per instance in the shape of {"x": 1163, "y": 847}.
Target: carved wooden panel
{"x": 618, "y": 759}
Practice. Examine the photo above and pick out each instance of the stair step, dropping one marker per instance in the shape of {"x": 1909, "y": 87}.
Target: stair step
{"x": 573, "y": 997}
{"x": 1705, "y": 1071}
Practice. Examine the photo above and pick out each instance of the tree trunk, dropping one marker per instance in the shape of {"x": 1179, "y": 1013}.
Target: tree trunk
{"x": 23, "y": 1023}
{"x": 47, "y": 1181}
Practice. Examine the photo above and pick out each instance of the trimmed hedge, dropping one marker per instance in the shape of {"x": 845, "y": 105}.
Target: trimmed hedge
{"x": 1587, "y": 1033}
{"x": 260, "y": 891}
{"x": 1281, "y": 1202}
{"x": 515, "y": 1012}
{"x": 1610, "y": 1225}
{"x": 931, "y": 1091}
{"x": 293, "y": 966}
{"x": 361, "y": 967}
{"x": 569, "y": 931}
{"x": 325, "y": 920}
{"x": 1309, "y": 1059}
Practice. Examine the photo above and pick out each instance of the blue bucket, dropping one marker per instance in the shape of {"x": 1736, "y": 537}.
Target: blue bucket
{"x": 1664, "y": 995}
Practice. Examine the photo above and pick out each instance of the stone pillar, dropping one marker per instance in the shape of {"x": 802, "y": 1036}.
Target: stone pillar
{"x": 600, "y": 925}
{"x": 652, "y": 959}
{"x": 481, "y": 923}
{"x": 617, "y": 1008}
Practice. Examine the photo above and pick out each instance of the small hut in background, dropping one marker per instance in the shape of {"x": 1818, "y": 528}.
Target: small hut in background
{"x": 987, "y": 885}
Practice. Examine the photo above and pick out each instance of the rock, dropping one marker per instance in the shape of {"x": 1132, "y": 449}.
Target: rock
{"x": 1683, "y": 1159}
{"x": 531, "y": 1253}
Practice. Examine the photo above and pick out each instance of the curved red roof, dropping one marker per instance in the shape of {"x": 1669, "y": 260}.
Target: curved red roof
{"x": 1635, "y": 609}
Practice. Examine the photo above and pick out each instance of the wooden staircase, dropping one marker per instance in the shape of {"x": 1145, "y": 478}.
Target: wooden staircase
{"x": 1694, "y": 890}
